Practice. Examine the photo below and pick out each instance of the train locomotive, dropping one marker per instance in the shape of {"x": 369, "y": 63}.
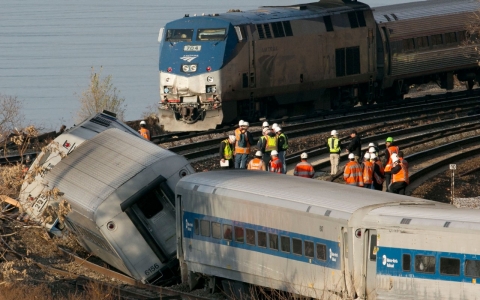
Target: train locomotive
{"x": 282, "y": 60}
{"x": 114, "y": 191}
{"x": 238, "y": 229}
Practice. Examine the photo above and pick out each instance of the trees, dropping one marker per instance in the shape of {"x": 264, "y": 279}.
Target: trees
{"x": 10, "y": 114}
{"x": 100, "y": 95}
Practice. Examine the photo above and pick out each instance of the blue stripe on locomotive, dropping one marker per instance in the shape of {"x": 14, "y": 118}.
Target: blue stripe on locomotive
{"x": 390, "y": 260}
{"x": 333, "y": 249}
{"x": 213, "y": 53}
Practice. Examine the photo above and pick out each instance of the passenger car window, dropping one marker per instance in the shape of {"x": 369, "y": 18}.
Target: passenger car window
{"x": 273, "y": 241}
{"x": 406, "y": 260}
{"x": 250, "y": 236}
{"x": 262, "y": 239}
{"x": 472, "y": 268}
{"x": 205, "y": 227}
{"x": 150, "y": 204}
{"x": 321, "y": 252}
{"x": 285, "y": 243}
{"x": 308, "y": 249}
{"x": 216, "y": 231}
{"x": 297, "y": 246}
{"x": 196, "y": 226}
{"x": 239, "y": 234}
{"x": 449, "y": 266}
{"x": 227, "y": 232}
{"x": 424, "y": 264}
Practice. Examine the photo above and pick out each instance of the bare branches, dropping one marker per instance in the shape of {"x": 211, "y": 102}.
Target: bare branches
{"x": 100, "y": 95}
{"x": 10, "y": 114}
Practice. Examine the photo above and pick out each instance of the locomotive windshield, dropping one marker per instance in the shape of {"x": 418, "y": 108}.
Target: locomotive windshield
{"x": 179, "y": 35}
{"x": 211, "y": 34}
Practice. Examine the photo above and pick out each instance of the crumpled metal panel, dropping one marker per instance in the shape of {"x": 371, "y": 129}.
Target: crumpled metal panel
{"x": 424, "y": 9}
{"x": 99, "y": 166}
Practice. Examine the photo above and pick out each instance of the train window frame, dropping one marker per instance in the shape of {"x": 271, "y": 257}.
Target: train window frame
{"x": 311, "y": 245}
{"x": 327, "y": 20}
{"x": 263, "y": 238}
{"x": 278, "y": 31}
{"x": 216, "y": 233}
{"x": 268, "y": 31}
{"x": 450, "y": 37}
{"x": 352, "y": 18}
{"x": 406, "y": 262}
{"x": 421, "y": 45}
{"x": 427, "y": 269}
{"x": 373, "y": 247}
{"x": 319, "y": 250}
{"x": 467, "y": 269}
{"x": 408, "y": 44}
{"x": 444, "y": 269}
{"x": 461, "y": 36}
{"x": 261, "y": 34}
{"x": 437, "y": 39}
{"x": 226, "y": 233}
{"x": 205, "y": 229}
{"x": 221, "y": 37}
{"x": 196, "y": 227}
{"x": 287, "y": 27}
{"x": 172, "y": 32}
{"x": 275, "y": 239}
{"x": 150, "y": 204}
{"x": 295, "y": 246}
{"x": 284, "y": 245}
{"x": 361, "y": 18}
{"x": 238, "y": 239}
{"x": 250, "y": 236}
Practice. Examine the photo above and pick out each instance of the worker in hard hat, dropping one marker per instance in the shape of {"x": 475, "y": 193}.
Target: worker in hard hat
{"x": 257, "y": 162}
{"x": 378, "y": 173}
{"x": 265, "y": 125}
{"x": 375, "y": 148}
{"x": 355, "y": 145}
{"x": 304, "y": 168}
{"x": 144, "y": 131}
{"x": 275, "y": 165}
{"x": 390, "y": 149}
{"x": 400, "y": 177}
{"x": 282, "y": 147}
{"x": 266, "y": 143}
{"x": 367, "y": 170}
{"x": 226, "y": 153}
{"x": 353, "y": 172}
{"x": 243, "y": 141}
{"x": 333, "y": 143}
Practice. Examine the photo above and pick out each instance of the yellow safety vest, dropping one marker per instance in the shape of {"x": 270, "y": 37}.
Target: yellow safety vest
{"x": 334, "y": 145}
{"x": 227, "y": 151}
{"x": 271, "y": 143}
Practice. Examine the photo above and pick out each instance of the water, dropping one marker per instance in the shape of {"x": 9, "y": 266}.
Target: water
{"x": 47, "y": 49}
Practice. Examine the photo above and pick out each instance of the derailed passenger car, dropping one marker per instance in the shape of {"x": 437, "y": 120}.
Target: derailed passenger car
{"x": 116, "y": 196}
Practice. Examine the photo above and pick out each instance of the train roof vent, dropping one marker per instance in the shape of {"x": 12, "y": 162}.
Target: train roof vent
{"x": 387, "y": 17}
{"x": 394, "y": 16}
{"x": 327, "y": 213}
{"x": 405, "y": 221}
{"x": 101, "y": 121}
{"x": 446, "y": 224}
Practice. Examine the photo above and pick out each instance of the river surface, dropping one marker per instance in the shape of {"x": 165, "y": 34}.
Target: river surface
{"x": 47, "y": 50}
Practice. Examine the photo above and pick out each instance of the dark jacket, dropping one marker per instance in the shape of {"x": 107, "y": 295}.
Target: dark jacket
{"x": 355, "y": 146}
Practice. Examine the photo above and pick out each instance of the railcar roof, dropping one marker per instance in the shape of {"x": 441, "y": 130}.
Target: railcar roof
{"x": 422, "y": 9}
{"x": 267, "y": 14}
{"x": 297, "y": 193}
{"x": 99, "y": 166}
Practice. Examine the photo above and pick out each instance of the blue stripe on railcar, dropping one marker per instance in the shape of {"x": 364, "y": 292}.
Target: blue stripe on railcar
{"x": 390, "y": 262}
{"x": 212, "y": 54}
{"x": 333, "y": 255}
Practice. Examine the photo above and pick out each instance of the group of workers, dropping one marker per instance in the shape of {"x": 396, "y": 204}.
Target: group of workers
{"x": 368, "y": 172}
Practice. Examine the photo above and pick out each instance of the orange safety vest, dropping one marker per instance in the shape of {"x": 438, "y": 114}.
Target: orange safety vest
{"x": 145, "y": 133}
{"x": 256, "y": 164}
{"x": 379, "y": 179}
{"x": 241, "y": 150}
{"x": 276, "y": 165}
{"x": 367, "y": 172}
{"x": 353, "y": 174}
{"x": 304, "y": 169}
{"x": 404, "y": 161}
{"x": 402, "y": 175}
{"x": 391, "y": 150}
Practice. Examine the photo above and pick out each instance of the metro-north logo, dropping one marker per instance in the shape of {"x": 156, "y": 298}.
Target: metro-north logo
{"x": 188, "y": 58}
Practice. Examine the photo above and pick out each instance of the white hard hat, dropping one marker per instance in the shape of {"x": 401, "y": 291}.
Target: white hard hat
{"x": 265, "y": 124}
{"x": 304, "y": 155}
{"x": 246, "y": 124}
{"x": 334, "y": 132}
{"x": 371, "y": 150}
{"x": 274, "y": 152}
{"x": 372, "y": 156}
{"x": 277, "y": 129}
{"x": 143, "y": 123}
{"x": 258, "y": 153}
{"x": 371, "y": 145}
{"x": 351, "y": 155}
{"x": 367, "y": 155}
{"x": 274, "y": 125}
{"x": 240, "y": 123}
{"x": 231, "y": 138}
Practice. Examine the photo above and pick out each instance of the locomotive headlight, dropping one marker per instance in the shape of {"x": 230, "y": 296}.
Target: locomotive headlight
{"x": 189, "y": 68}
{"x": 185, "y": 68}
{"x": 167, "y": 89}
{"x": 193, "y": 68}
{"x": 214, "y": 89}
{"x": 210, "y": 79}
{"x": 210, "y": 89}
